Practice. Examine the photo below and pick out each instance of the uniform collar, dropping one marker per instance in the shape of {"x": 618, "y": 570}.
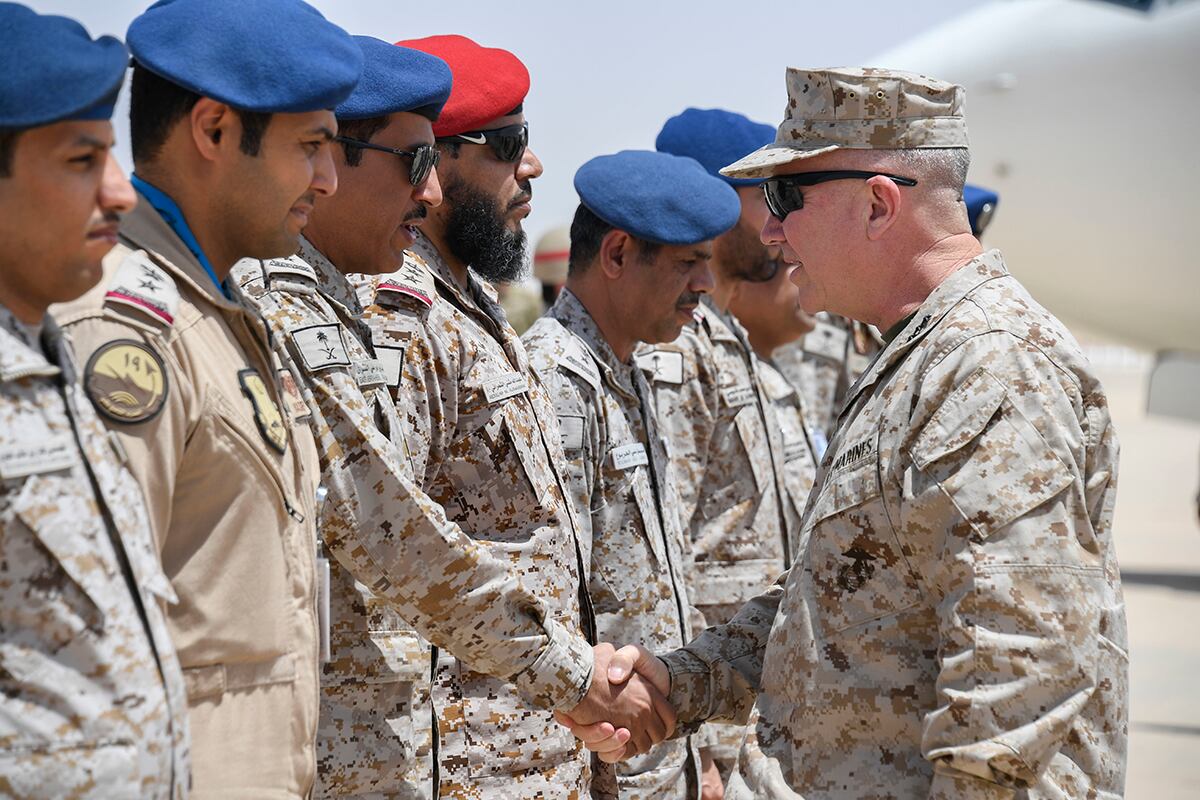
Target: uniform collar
{"x": 570, "y": 311}
{"x": 330, "y": 281}
{"x": 719, "y": 323}
{"x": 949, "y": 293}
{"x": 20, "y": 357}
{"x": 172, "y": 214}
{"x": 145, "y": 229}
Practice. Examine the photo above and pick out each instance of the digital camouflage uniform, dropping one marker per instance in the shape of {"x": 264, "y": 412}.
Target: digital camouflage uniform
{"x": 954, "y": 625}
{"x": 186, "y": 379}
{"x": 485, "y": 446}
{"x": 727, "y": 451}
{"x": 799, "y": 458}
{"x": 375, "y": 734}
{"x": 823, "y": 364}
{"x": 624, "y": 493}
{"x": 92, "y": 702}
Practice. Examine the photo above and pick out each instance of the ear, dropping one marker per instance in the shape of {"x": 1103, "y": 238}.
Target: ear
{"x": 616, "y": 253}
{"x": 214, "y": 127}
{"x": 884, "y": 202}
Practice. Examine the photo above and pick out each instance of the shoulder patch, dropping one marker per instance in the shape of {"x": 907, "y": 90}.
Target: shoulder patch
{"x": 413, "y": 280}
{"x": 141, "y": 284}
{"x": 576, "y": 358}
{"x": 662, "y": 366}
{"x": 290, "y": 275}
{"x": 320, "y": 346}
{"x": 126, "y": 381}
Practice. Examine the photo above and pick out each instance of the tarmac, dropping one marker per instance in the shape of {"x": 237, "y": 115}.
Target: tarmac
{"x": 1158, "y": 546}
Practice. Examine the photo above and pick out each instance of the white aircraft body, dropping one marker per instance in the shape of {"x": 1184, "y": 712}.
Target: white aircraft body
{"x": 1084, "y": 115}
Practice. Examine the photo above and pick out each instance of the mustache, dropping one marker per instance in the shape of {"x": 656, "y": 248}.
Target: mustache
{"x": 420, "y": 212}
{"x": 525, "y": 196}
{"x": 688, "y": 299}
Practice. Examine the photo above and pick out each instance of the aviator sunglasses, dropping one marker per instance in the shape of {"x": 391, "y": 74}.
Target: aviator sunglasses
{"x": 508, "y": 143}
{"x": 424, "y": 157}
{"x": 784, "y": 195}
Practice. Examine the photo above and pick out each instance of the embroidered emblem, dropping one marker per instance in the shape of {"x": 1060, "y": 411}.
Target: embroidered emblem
{"x": 663, "y": 366}
{"x": 126, "y": 381}
{"x": 853, "y": 576}
{"x": 320, "y": 346}
{"x": 266, "y": 413}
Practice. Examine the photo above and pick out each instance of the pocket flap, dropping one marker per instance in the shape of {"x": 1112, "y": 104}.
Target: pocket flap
{"x": 960, "y": 419}
{"x": 379, "y": 657}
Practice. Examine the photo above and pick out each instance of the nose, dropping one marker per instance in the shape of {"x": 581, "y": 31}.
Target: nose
{"x": 703, "y": 281}
{"x": 530, "y": 166}
{"x": 324, "y": 180}
{"x": 430, "y": 191}
{"x": 772, "y": 231}
{"x": 116, "y": 193}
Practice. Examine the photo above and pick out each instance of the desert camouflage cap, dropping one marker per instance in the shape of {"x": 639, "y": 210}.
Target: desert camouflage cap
{"x": 863, "y": 108}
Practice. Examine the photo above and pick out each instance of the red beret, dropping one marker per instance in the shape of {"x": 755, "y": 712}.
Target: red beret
{"x": 488, "y": 82}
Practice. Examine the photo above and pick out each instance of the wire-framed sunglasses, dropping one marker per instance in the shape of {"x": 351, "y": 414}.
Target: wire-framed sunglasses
{"x": 508, "y": 143}
{"x": 784, "y": 194}
{"x": 424, "y": 157}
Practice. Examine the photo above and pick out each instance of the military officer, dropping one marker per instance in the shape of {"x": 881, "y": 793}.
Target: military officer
{"x": 634, "y": 252}
{"x": 180, "y": 367}
{"x": 718, "y": 419}
{"x": 825, "y": 362}
{"x": 954, "y": 626}
{"x": 484, "y": 446}
{"x": 93, "y": 703}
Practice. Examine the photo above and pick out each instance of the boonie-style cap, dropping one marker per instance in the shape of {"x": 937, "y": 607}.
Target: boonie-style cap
{"x": 859, "y": 108}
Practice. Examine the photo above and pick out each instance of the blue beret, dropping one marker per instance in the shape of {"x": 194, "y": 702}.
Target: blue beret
{"x": 52, "y": 70}
{"x": 269, "y": 56}
{"x": 981, "y": 203}
{"x": 715, "y": 138}
{"x": 657, "y": 196}
{"x": 395, "y": 79}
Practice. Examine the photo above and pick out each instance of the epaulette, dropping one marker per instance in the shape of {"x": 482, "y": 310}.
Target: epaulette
{"x": 576, "y": 358}
{"x": 412, "y": 284}
{"x": 293, "y": 275}
{"x": 140, "y": 284}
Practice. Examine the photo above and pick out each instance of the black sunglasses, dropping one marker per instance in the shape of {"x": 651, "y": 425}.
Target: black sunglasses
{"x": 424, "y": 157}
{"x": 784, "y": 195}
{"x": 508, "y": 143}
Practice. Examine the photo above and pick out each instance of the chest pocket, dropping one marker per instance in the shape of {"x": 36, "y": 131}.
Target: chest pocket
{"x": 858, "y": 567}
{"x": 56, "y": 513}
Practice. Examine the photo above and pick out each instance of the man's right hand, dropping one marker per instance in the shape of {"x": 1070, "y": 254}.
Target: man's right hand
{"x": 628, "y": 691}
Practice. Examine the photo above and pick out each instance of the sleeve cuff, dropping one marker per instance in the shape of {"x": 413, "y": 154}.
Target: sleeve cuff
{"x": 691, "y": 689}
{"x": 560, "y": 677}
{"x": 961, "y": 786}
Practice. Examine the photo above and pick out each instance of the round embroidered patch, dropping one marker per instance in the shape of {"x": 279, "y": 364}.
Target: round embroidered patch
{"x": 126, "y": 381}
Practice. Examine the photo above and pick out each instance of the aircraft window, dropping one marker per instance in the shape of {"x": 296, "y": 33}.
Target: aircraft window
{"x": 1138, "y": 5}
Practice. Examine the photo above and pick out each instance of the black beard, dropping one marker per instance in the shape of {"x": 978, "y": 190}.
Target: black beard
{"x": 741, "y": 255}
{"x": 477, "y": 236}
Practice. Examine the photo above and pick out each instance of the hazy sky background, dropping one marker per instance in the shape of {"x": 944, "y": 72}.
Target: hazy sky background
{"x": 607, "y": 75}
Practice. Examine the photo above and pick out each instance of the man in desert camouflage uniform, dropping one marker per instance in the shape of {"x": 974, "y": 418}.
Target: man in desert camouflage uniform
{"x": 484, "y": 445}
{"x": 717, "y": 418}
{"x": 954, "y": 625}
{"x": 632, "y": 256}
{"x": 93, "y": 703}
{"x": 375, "y": 734}
{"x": 183, "y": 372}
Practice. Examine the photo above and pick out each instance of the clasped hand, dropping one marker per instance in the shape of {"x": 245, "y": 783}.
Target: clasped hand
{"x": 625, "y": 711}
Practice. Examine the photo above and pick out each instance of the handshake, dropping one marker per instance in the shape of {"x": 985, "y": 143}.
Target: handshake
{"x": 625, "y": 711}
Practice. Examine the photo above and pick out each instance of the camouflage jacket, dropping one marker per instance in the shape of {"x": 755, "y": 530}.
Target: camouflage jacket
{"x": 823, "y": 364}
{"x": 728, "y": 455}
{"x": 954, "y": 625}
{"x": 93, "y": 702}
{"x": 375, "y": 733}
{"x": 485, "y": 446}
{"x": 624, "y": 492}
{"x": 186, "y": 379}
{"x": 799, "y": 455}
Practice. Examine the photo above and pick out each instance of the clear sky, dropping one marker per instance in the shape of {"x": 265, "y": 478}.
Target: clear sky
{"x": 607, "y": 75}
